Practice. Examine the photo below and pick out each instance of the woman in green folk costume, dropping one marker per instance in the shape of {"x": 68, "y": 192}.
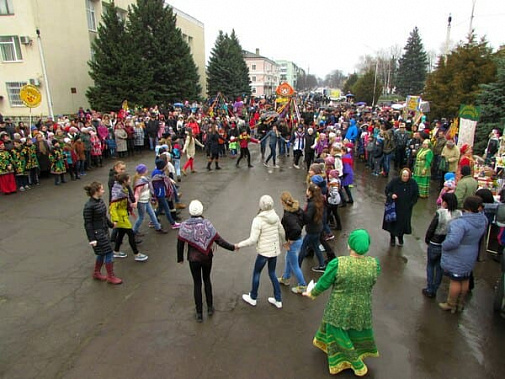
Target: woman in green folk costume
{"x": 422, "y": 169}
{"x": 346, "y": 333}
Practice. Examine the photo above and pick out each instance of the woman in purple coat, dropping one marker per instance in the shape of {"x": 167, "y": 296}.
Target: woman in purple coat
{"x": 348, "y": 175}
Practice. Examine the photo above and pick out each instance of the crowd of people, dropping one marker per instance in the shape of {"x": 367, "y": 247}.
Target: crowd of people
{"x": 325, "y": 143}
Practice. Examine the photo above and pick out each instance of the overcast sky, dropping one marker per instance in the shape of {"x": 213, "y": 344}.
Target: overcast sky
{"x": 324, "y": 35}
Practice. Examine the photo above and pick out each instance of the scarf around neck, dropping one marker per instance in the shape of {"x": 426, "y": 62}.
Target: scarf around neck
{"x": 199, "y": 233}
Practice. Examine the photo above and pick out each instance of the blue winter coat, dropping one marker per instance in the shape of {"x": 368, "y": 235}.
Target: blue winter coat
{"x": 352, "y": 131}
{"x": 461, "y": 246}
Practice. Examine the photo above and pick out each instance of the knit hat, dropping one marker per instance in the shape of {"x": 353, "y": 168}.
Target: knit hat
{"x": 449, "y": 176}
{"x": 329, "y": 160}
{"x": 333, "y": 174}
{"x": 160, "y": 164}
{"x": 464, "y": 148}
{"x": 316, "y": 168}
{"x": 359, "y": 241}
{"x": 66, "y": 140}
{"x": 141, "y": 169}
{"x": 195, "y": 208}
{"x": 317, "y": 180}
{"x": 266, "y": 203}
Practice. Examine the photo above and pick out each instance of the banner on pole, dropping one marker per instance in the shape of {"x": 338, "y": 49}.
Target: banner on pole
{"x": 466, "y": 131}
{"x": 469, "y": 112}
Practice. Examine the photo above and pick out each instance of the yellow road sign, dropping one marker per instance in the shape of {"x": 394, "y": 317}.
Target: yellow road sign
{"x": 30, "y": 95}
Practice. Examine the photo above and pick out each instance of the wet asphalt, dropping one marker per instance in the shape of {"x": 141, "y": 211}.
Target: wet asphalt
{"x": 57, "y": 322}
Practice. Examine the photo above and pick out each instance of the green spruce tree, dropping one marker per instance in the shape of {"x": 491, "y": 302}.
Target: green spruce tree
{"x": 164, "y": 55}
{"x": 458, "y": 80}
{"x": 492, "y": 106}
{"x": 227, "y": 71}
{"x": 364, "y": 88}
{"x": 349, "y": 84}
{"x": 412, "y": 66}
{"x": 109, "y": 88}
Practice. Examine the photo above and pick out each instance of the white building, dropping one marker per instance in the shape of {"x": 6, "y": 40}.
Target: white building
{"x": 66, "y": 29}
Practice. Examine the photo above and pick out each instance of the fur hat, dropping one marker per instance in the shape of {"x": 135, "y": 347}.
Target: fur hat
{"x": 195, "y": 208}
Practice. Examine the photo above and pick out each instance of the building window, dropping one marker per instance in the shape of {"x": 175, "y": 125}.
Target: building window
{"x": 13, "y": 93}
{"x": 90, "y": 13}
{"x": 6, "y": 7}
{"x": 253, "y": 67}
{"x": 190, "y": 41}
{"x": 253, "y": 78}
{"x": 254, "y": 90}
{"x": 11, "y": 49}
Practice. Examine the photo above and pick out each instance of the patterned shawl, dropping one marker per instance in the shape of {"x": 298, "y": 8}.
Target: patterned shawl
{"x": 199, "y": 233}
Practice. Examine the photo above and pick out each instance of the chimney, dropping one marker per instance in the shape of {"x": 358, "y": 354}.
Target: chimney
{"x": 257, "y": 51}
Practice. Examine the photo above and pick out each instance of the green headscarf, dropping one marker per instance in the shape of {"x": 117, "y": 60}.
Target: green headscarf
{"x": 359, "y": 241}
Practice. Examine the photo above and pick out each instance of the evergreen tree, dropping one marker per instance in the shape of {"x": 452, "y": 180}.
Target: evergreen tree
{"x": 412, "y": 66}
{"x": 364, "y": 88}
{"x": 349, "y": 83}
{"x": 109, "y": 89}
{"x": 227, "y": 71}
{"x": 492, "y": 106}
{"x": 458, "y": 81}
{"x": 164, "y": 53}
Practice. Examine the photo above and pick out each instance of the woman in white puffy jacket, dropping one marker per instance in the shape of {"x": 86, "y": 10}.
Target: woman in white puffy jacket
{"x": 268, "y": 235}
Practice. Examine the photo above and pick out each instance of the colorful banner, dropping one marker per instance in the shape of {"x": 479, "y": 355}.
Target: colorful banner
{"x": 469, "y": 112}
{"x": 466, "y": 131}
{"x": 413, "y": 103}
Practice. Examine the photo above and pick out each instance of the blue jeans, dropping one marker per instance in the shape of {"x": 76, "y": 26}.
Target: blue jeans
{"x": 142, "y": 209}
{"x": 258, "y": 267}
{"x": 153, "y": 141}
{"x": 311, "y": 240}
{"x": 273, "y": 154}
{"x": 177, "y": 166}
{"x": 107, "y": 258}
{"x": 387, "y": 162}
{"x": 292, "y": 262}
{"x": 163, "y": 204}
{"x": 282, "y": 146}
{"x": 433, "y": 270}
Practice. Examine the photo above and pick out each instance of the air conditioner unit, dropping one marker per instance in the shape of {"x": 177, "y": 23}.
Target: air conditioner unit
{"x": 25, "y": 40}
{"x": 34, "y": 82}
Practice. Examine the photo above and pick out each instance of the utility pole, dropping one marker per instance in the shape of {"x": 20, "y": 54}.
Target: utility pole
{"x": 447, "y": 38}
{"x": 44, "y": 72}
{"x": 471, "y": 20}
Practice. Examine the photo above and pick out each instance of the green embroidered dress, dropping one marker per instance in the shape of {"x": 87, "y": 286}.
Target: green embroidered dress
{"x": 346, "y": 333}
{"x": 423, "y": 162}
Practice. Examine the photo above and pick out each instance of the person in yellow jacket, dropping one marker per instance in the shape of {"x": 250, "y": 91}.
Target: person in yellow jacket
{"x": 120, "y": 208}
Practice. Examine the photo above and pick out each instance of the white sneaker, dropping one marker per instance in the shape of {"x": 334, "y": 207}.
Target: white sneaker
{"x": 265, "y": 164}
{"x": 272, "y": 301}
{"x": 120, "y": 254}
{"x": 141, "y": 257}
{"x": 296, "y": 166}
{"x": 247, "y": 298}
{"x": 277, "y": 166}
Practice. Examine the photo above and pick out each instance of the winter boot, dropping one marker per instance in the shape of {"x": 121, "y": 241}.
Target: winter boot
{"x": 97, "y": 274}
{"x": 208, "y": 166}
{"x": 111, "y": 278}
{"x": 217, "y": 166}
{"x": 461, "y": 303}
{"x": 450, "y": 305}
